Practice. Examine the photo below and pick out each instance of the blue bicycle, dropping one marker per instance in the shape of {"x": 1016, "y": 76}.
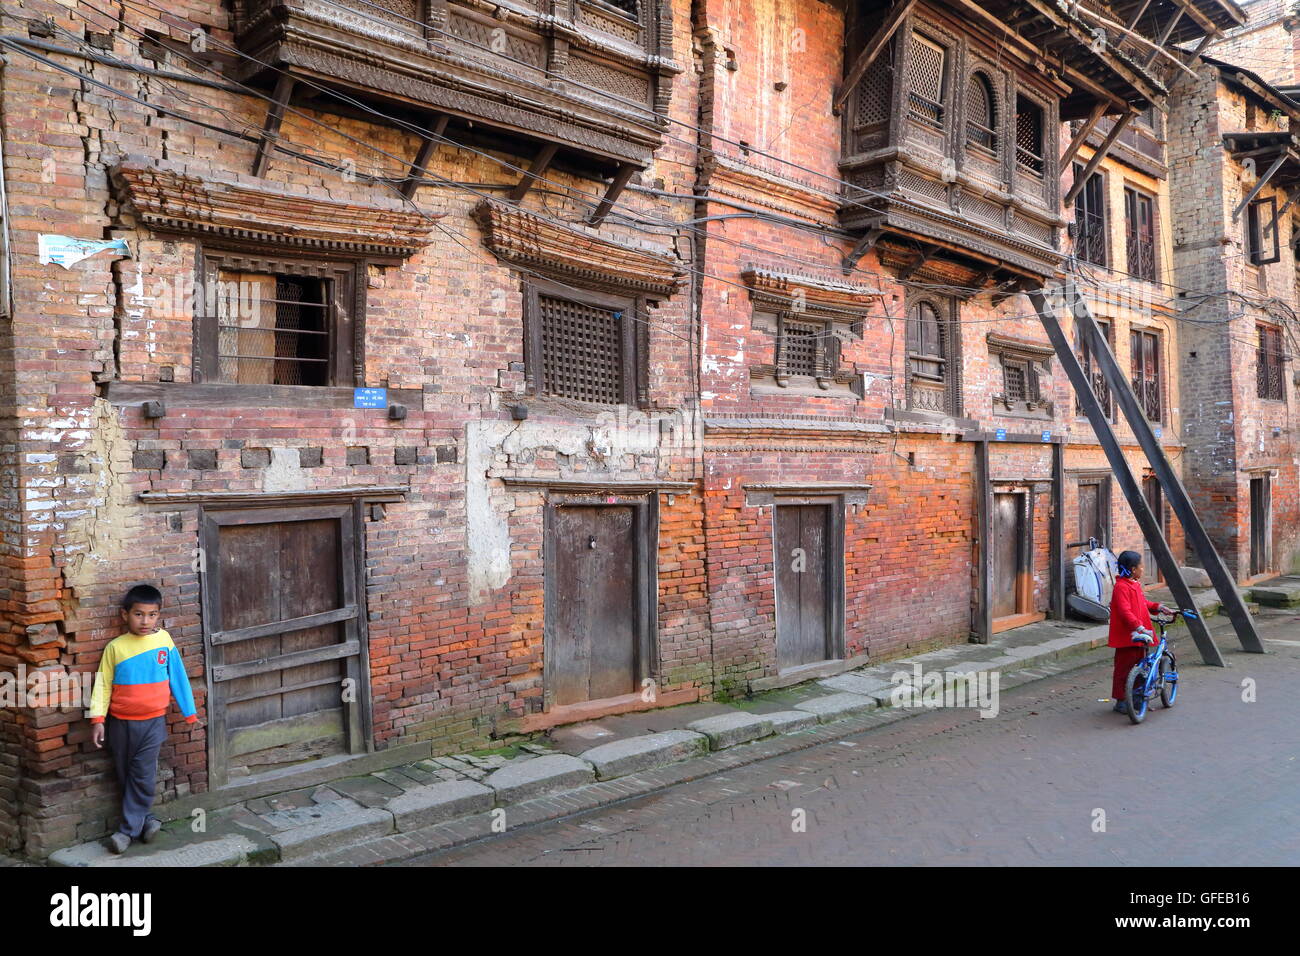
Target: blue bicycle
{"x": 1157, "y": 673}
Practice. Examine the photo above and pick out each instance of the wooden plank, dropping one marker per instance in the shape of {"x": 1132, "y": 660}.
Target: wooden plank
{"x": 1282, "y": 157}
{"x": 274, "y": 116}
{"x": 236, "y": 698}
{"x": 893, "y": 19}
{"x": 540, "y": 164}
{"x": 225, "y": 395}
{"x": 984, "y": 520}
{"x": 280, "y": 662}
{"x": 1013, "y": 621}
{"x": 1097, "y": 157}
{"x": 422, "y": 158}
{"x": 616, "y": 186}
{"x": 1097, "y": 112}
{"x": 283, "y": 627}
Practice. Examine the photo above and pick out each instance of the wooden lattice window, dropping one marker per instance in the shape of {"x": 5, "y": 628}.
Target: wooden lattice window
{"x": 1269, "y": 359}
{"x": 1140, "y": 234}
{"x": 264, "y": 321}
{"x": 932, "y": 369}
{"x": 1089, "y": 229}
{"x": 1029, "y": 135}
{"x": 1020, "y": 381}
{"x": 582, "y": 345}
{"x": 1145, "y": 365}
{"x": 981, "y": 113}
{"x": 805, "y": 347}
{"x": 926, "y": 81}
{"x": 1262, "y": 245}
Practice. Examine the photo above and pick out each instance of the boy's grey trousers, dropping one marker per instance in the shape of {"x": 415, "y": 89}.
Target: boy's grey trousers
{"x": 134, "y": 746}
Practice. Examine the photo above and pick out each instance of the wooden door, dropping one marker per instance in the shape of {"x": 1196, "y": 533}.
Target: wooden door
{"x": 1261, "y": 506}
{"x": 803, "y": 591}
{"x": 1008, "y": 546}
{"x": 1151, "y": 573}
{"x": 282, "y": 626}
{"x": 593, "y": 603}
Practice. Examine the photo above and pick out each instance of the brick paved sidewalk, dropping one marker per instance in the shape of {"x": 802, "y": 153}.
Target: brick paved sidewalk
{"x": 438, "y": 802}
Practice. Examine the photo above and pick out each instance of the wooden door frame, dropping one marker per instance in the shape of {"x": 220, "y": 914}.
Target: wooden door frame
{"x": 358, "y": 716}
{"x": 835, "y": 597}
{"x": 1266, "y": 486}
{"x": 1027, "y": 491}
{"x": 645, "y": 533}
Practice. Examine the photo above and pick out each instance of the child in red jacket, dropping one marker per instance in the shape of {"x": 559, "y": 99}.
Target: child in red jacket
{"x": 1130, "y": 621}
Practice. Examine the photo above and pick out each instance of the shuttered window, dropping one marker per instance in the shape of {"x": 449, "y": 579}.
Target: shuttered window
{"x": 1268, "y": 371}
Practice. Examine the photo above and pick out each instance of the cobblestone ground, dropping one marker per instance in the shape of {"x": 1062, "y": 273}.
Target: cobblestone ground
{"x": 1212, "y": 781}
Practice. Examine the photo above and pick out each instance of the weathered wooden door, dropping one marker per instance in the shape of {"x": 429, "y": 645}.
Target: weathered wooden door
{"x": 1008, "y": 542}
{"x": 1261, "y": 506}
{"x": 803, "y": 593}
{"x": 593, "y": 603}
{"x": 281, "y": 621}
{"x": 1151, "y": 573}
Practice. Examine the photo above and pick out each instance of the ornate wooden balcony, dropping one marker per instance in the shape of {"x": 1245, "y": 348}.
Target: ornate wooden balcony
{"x": 587, "y": 76}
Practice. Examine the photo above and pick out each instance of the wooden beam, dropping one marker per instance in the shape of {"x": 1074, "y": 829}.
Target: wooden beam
{"x": 872, "y": 49}
{"x": 860, "y": 249}
{"x": 917, "y": 263}
{"x": 1290, "y": 201}
{"x": 621, "y": 178}
{"x": 540, "y": 163}
{"x": 1098, "y": 156}
{"x": 1138, "y": 16}
{"x": 1202, "y": 21}
{"x": 1282, "y": 157}
{"x": 1164, "y": 36}
{"x": 413, "y": 176}
{"x": 1191, "y": 58}
{"x": 274, "y": 117}
{"x": 1097, "y": 112}
{"x": 1137, "y": 80}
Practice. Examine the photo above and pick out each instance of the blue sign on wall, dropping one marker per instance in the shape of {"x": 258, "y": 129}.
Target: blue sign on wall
{"x": 370, "y": 398}
{"x": 1001, "y": 434}
{"x": 1047, "y": 436}
{"x": 1159, "y": 431}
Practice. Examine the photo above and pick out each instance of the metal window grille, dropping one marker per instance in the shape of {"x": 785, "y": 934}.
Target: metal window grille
{"x": 925, "y": 81}
{"x": 1140, "y": 237}
{"x": 1095, "y": 376}
{"x": 1090, "y": 220}
{"x": 1145, "y": 366}
{"x": 1268, "y": 372}
{"x": 273, "y": 329}
{"x": 981, "y": 120}
{"x": 582, "y": 351}
{"x": 1029, "y": 135}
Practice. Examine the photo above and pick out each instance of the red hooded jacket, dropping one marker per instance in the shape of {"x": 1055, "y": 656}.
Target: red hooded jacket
{"x": 1129, "y": 610}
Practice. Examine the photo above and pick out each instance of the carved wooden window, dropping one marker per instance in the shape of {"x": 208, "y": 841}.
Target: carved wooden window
{"x": 1020, "y": 381}
{"x": 1269, "y": 358}
{"x": 1262, "y": 246}
{"x": 1089, "y": 229}
{"x": 1029, "y": 135}
{"x": 1140, "y": 234}
{"x": 582, "y": 345}
{"x": 805, "y": 347}
{"x": 1145, "y": 364}
{"x": 932, "y": 384}
{"x": 981, "y": 113}
{"x": 265, "y": 321}
{"x": 926, "y": 81}
{"x": 629, "y": 7}
{"x": 1093, "y": 371}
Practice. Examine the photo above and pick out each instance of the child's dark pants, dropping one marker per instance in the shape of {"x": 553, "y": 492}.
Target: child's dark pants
{"x": 1126, "y": 658}
{"x": 134, "y": 745}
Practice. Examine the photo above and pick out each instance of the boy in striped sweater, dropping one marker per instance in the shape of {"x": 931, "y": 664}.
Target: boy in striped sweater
{"x": 139, "y": 672}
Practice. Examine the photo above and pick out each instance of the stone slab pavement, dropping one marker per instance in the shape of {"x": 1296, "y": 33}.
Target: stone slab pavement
{"x": 413, "y": 808}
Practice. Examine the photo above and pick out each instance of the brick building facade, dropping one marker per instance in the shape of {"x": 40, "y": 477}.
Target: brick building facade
{"x": 700, "y": 356}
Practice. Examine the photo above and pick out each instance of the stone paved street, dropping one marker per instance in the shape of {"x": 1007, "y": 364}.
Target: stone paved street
{"x": 1212, "y": 781}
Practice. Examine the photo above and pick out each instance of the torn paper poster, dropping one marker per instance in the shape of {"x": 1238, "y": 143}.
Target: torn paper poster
{"x": 66, "y": 251}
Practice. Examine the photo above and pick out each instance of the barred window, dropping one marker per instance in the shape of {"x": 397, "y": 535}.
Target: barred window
{"x": 981, "y": 113}
{"x": 1140, "y": 234}
{"x": 1145, "y": 364}
{"x": 581, "y": 346}
{"x": 1269, "y": 359}
{"x": 1093, "y": 371}
{"x": 264, "y": 321}
{"x": 925, "y": 81}
{"x": 1020, "y": 382}
{"x": 1089, "y": 229}
{"x": 1029, "y": 135}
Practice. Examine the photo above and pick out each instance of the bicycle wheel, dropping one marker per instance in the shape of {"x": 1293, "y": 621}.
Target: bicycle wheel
{"x": 1135, "y": 693}
{"x": 1168, "y": 679}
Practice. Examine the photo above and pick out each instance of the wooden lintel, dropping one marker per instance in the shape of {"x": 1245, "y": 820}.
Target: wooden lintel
{"x": 427, "y": 147}
{"x": 872, "y": 48}
{"x": 274, "y": 117}
{"x": 860, "y": 249}
{"x": 540, "y": 164}
{"x": 1097, "y": 112}
{"x": 1098, "y": 156}
{"x": 616, "y": 186}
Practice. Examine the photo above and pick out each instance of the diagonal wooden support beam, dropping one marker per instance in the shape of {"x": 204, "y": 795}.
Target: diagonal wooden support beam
{"x": 1282, "y": 157}
{"x": 1290, "y": 201}
{"x": 912, "y": 267}
{"x": 1177, "y": 81}
{"x": 430, "y": 143}
{"x": 1097, "y": 112}
{"x": 860, "y": 249}
{"x": 872, "y": 49}
{"x": 274, "y": 117}
{"x": 539, "y": 167}
{"x": 620, "y": 181}
{"x": 1170, "y": 485}
{"x": 1164, "y": 36}
{"x": 1097, "y": 157}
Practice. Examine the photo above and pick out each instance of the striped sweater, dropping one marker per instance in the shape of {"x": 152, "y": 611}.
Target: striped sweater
{"x": 138, "y": 673}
